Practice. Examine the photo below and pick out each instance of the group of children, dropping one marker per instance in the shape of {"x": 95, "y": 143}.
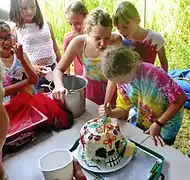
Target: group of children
{"x": 122, "y": 59}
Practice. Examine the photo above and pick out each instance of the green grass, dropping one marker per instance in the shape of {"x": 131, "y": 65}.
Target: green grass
{"x": 169, "y": 17}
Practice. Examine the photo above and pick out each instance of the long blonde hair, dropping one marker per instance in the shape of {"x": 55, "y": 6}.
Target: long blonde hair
{"x": 97, "y": 16}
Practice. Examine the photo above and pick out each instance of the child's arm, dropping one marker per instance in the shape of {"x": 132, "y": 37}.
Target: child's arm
{"x": 4, "y": 120}
{"x": 74, "y": 49}
{"x": 111, "y": 87}
{"x": 55, "y": 47}
{"x": 119, "y": 113}
{"x": 113, "y": 113}
{"x": 163, "y": 59}
{"x": 32, "y": 77}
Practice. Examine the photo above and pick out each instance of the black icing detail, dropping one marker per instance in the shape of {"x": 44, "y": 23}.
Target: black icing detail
{"x": 101, "y": 152}
{"x": 111, "y": 152}
{"x": 117, "y": 144}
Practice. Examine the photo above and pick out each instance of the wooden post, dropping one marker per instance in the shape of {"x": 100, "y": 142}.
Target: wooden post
{"x": 145, "y": 2}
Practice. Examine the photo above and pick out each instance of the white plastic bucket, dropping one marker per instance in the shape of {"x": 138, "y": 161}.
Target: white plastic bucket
{"x": 57, "y": 165}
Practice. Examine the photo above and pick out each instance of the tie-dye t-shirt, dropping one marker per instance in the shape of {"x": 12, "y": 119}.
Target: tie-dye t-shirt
{"x": 152, "y": 91}
{"x": 13, "y": 75}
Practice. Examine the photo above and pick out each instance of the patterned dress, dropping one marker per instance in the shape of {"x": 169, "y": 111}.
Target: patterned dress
{"x": 13, "y": 75}
{"x": 152, "y": 91}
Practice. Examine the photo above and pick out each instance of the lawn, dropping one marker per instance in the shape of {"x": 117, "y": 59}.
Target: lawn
{"x": 169, "y": 17}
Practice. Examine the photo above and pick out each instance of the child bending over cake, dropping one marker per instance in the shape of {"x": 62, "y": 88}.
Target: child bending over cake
{"x": 158, "y": 98}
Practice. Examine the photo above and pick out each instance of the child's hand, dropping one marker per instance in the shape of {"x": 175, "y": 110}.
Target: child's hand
{"x": 154, "y": 131}
{"x": 40, "y": 70}
{"x": 60, "y": 93}
{"x": 104, "y": 110}
{"x": 77, "y": 171}
{"x": 17, "y": 48}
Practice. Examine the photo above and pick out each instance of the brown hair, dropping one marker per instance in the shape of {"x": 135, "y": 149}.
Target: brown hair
{"x": 97, "y": 16}
{"x": 76, "y": 7}
{"x": 126, "y": 11}
{"x": 3, "y": 25}
{"x": 15, "y": 14}
{"x": 119, "y": 60}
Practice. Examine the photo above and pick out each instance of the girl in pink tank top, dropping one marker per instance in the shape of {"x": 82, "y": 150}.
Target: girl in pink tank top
{"x": 75, "y": 14}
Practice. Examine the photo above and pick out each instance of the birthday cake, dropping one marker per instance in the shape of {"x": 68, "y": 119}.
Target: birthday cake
{"x": 102, "y": 142}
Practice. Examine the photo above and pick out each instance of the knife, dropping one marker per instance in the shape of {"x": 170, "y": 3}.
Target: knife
{"x": 75, "y": 145}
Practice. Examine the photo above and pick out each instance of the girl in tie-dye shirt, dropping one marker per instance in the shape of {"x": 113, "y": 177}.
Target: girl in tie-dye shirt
{"x": 158, "y": 98}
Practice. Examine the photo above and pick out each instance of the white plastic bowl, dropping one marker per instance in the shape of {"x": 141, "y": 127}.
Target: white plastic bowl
{"x": 57, "y": 165}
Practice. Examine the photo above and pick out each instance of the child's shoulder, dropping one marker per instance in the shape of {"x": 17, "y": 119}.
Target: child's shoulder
{"x": 68, "y": 36}
{"x": 78, "y": 42}
{"x": 156, "y": 38}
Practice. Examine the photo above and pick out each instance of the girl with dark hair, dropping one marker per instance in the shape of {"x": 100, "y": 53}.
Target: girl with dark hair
{"x": 18, "y": 74}
{"x": 36, "y": 36}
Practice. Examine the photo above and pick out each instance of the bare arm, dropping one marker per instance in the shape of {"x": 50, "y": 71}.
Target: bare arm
{"x": 4, "y": 119}
{"x": 173, "y": 109}
{"x": 74, "y": 49}
{"x": 119, "y": 113}
{"x": 55, "y": 47}
{"x": 32, "y": 77}
{"x": 163, "y": 59}
{"x": 111, "y": 87}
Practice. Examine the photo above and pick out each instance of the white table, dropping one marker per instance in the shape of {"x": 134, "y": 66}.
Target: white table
{"x": 176, "y": 166}
{"x": 24, "y": 165}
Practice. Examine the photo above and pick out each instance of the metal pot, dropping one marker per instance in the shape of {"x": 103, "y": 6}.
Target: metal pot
{"x": 76, "y": 99}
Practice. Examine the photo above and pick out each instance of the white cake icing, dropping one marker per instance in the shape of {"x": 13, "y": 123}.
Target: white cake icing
{"x": 102, "y": 142}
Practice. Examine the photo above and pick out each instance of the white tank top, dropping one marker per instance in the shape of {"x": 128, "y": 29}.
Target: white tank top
{"x": 37, "y": 43}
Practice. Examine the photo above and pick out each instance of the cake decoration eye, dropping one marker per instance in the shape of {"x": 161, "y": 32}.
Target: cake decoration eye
{"x": 115, "y": 132}
{"x": 97, "y": 138}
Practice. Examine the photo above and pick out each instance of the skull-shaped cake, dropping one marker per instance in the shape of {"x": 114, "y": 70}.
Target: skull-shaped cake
{"x": 102, "y": 142}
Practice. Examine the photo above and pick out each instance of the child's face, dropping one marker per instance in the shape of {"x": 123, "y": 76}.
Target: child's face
{"x": 99, "y": 36}
{"x": 126, "y": 78}
{"x": 28, "y": 10}
{"x": 76, "y": 22}
{"x": 127, "y": 28}
{"x": 6, "y": 40}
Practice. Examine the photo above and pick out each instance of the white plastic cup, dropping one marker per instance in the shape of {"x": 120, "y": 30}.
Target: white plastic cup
{"x": 57, "y": 165}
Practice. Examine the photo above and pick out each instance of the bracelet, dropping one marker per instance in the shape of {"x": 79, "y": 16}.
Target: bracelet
{"x": 159, "y": 123}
